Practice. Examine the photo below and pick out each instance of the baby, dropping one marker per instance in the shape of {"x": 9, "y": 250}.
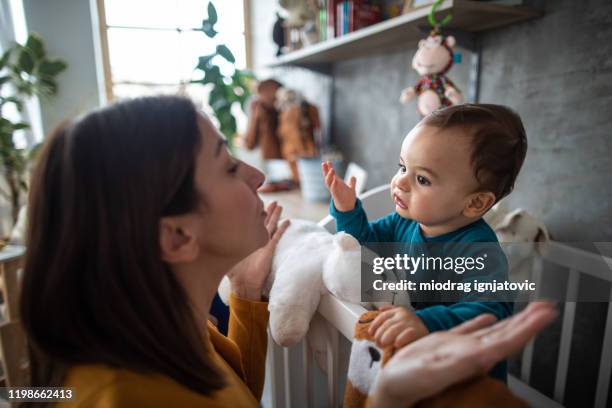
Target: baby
{"x": 453, "y": 167}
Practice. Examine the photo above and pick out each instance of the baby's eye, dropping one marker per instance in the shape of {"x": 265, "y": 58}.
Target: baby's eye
{"x": 402, "y": 168}
{"x": 423, "y": 181}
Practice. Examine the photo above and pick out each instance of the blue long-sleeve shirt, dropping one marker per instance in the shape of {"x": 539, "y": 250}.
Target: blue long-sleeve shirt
{"x": 436, "y": 316}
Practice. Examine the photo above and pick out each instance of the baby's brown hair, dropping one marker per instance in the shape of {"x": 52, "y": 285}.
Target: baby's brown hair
{"x": 499, "y": 142}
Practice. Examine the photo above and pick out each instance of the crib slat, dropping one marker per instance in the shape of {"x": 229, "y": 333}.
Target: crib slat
{"x": 307, "y": 366}
{"x": 605, "y": 367}
{"x": 332, "y": 366}
{"x": 593, "y": 264}
{"x": 532, "y": 396}
{"x": 287, "y": 376}
{"x": 527, "y": 358}
{"x": 276, "y": 370}
{"x": 567, "y": 328}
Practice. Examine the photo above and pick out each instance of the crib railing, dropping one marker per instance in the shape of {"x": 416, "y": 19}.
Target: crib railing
{"x": 294, "y": 376}
{"x": 295, "y": 380}
{"x": 578, "y": 264}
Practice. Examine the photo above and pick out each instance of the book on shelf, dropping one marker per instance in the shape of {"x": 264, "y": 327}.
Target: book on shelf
{"x": 340, "y": 17}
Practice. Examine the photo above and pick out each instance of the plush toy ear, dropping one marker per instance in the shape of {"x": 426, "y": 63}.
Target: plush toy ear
{"x": 510, "y": 218}
{"x": 450, "y": 41}
{"x": 345, "y": 241}
{"x": 542, "y": 235}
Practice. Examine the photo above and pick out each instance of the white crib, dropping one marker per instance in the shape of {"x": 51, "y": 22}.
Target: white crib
{"x": 294, "y": 380}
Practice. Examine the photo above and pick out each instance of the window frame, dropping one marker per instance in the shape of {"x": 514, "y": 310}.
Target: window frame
{"x": 106, "y": 66}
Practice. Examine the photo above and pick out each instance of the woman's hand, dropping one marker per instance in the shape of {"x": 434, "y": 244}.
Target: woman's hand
{"x": 435, "y": 362}
{"x": 344, "y": 195}
{"x": 248, "y": 276}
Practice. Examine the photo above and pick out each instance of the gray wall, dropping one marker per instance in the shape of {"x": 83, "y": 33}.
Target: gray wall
{"x": 555, "y": 71}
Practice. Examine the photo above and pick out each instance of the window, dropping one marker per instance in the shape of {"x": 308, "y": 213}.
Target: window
{"x": 152, "y": 46}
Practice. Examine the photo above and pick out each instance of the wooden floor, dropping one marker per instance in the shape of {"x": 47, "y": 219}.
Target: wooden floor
{"x": 296, "y": 207}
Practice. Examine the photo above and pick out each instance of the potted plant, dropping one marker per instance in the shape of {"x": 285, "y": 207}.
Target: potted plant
{"x": 25, "y": 71}
{"x": 226, "y": 89}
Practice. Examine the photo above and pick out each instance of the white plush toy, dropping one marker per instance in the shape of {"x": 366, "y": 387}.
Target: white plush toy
{"x": 519, "y": 232}
{"x": 308, "y": 262}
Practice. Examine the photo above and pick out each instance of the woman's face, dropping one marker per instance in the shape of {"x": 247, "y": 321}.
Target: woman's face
{"x": 230, "y": 218}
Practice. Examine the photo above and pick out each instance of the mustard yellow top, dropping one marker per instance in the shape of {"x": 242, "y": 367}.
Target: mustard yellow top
{"x": 241, "y": 356}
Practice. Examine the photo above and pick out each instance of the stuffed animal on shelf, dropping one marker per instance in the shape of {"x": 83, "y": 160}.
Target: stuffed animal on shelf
{"x": 433, "y": 59}
{"x": 309, "y": 261}
{"x": 263, "y": 121}
{"x": 299, "y": 12}
{"x": 298, "y": 128}
{"x": 278, "y": 34}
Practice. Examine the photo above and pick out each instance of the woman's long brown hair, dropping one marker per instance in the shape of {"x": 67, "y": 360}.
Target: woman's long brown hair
{"x": 95, "y": 289}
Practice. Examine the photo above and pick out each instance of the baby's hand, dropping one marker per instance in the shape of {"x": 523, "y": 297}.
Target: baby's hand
{"x": 397, "y": 326}
{"x": 344, "y": 195}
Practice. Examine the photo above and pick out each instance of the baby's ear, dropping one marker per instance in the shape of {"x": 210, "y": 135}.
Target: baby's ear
{"x": 478, "y": 204}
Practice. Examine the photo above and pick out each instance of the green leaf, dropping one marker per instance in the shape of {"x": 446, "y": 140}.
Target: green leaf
{"x": 221, "y": 104}
{"x": 208, "y": 29}
{"x": 228, "y": 125}
{"x": 212, "y": 13}
{"x": 51, "y": 67}
{"x": 212, "y": 75}
{"x": 223, "y": 51}
{"x": 5, "y": 58}
{"x": 5, "y": 125}
{"x": 35, "y": 44}
{"x": 47, "y": 86}
{"x": 12, "y": 99}
{"x": 204, "y": 61}
{"x": 25, "y": 88}
{"x": 4, "y": 79}
{"x": 20, "y": 125}
{"x": 25, "y": 62}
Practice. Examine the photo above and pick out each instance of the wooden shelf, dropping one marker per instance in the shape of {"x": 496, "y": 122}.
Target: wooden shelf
{"x": 405, "y": 31}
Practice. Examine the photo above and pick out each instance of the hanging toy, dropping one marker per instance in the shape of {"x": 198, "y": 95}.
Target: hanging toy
{"x": 433, "y": 59}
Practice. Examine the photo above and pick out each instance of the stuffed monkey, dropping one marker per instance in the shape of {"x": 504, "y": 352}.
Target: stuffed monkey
{"x": 433, "y": 59}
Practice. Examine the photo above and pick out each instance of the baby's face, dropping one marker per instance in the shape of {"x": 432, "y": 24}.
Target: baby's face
{"x": 435, "y": 177}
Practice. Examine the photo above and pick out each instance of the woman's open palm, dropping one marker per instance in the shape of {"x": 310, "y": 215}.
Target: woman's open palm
{"x": 441, "y": 359}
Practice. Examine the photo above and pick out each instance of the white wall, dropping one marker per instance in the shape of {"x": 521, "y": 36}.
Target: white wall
{"x": 67, "y": 27}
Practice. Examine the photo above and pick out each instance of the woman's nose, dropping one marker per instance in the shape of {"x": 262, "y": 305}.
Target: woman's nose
{"x": 255, "y": 177}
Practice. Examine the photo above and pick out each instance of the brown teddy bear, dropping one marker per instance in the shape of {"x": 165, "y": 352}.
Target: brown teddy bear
{"x": 298, "y": 125}
{"x": 263, "y": 121}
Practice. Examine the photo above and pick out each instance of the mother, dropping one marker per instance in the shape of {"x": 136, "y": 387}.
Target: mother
{"x": 136, "y": 213}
